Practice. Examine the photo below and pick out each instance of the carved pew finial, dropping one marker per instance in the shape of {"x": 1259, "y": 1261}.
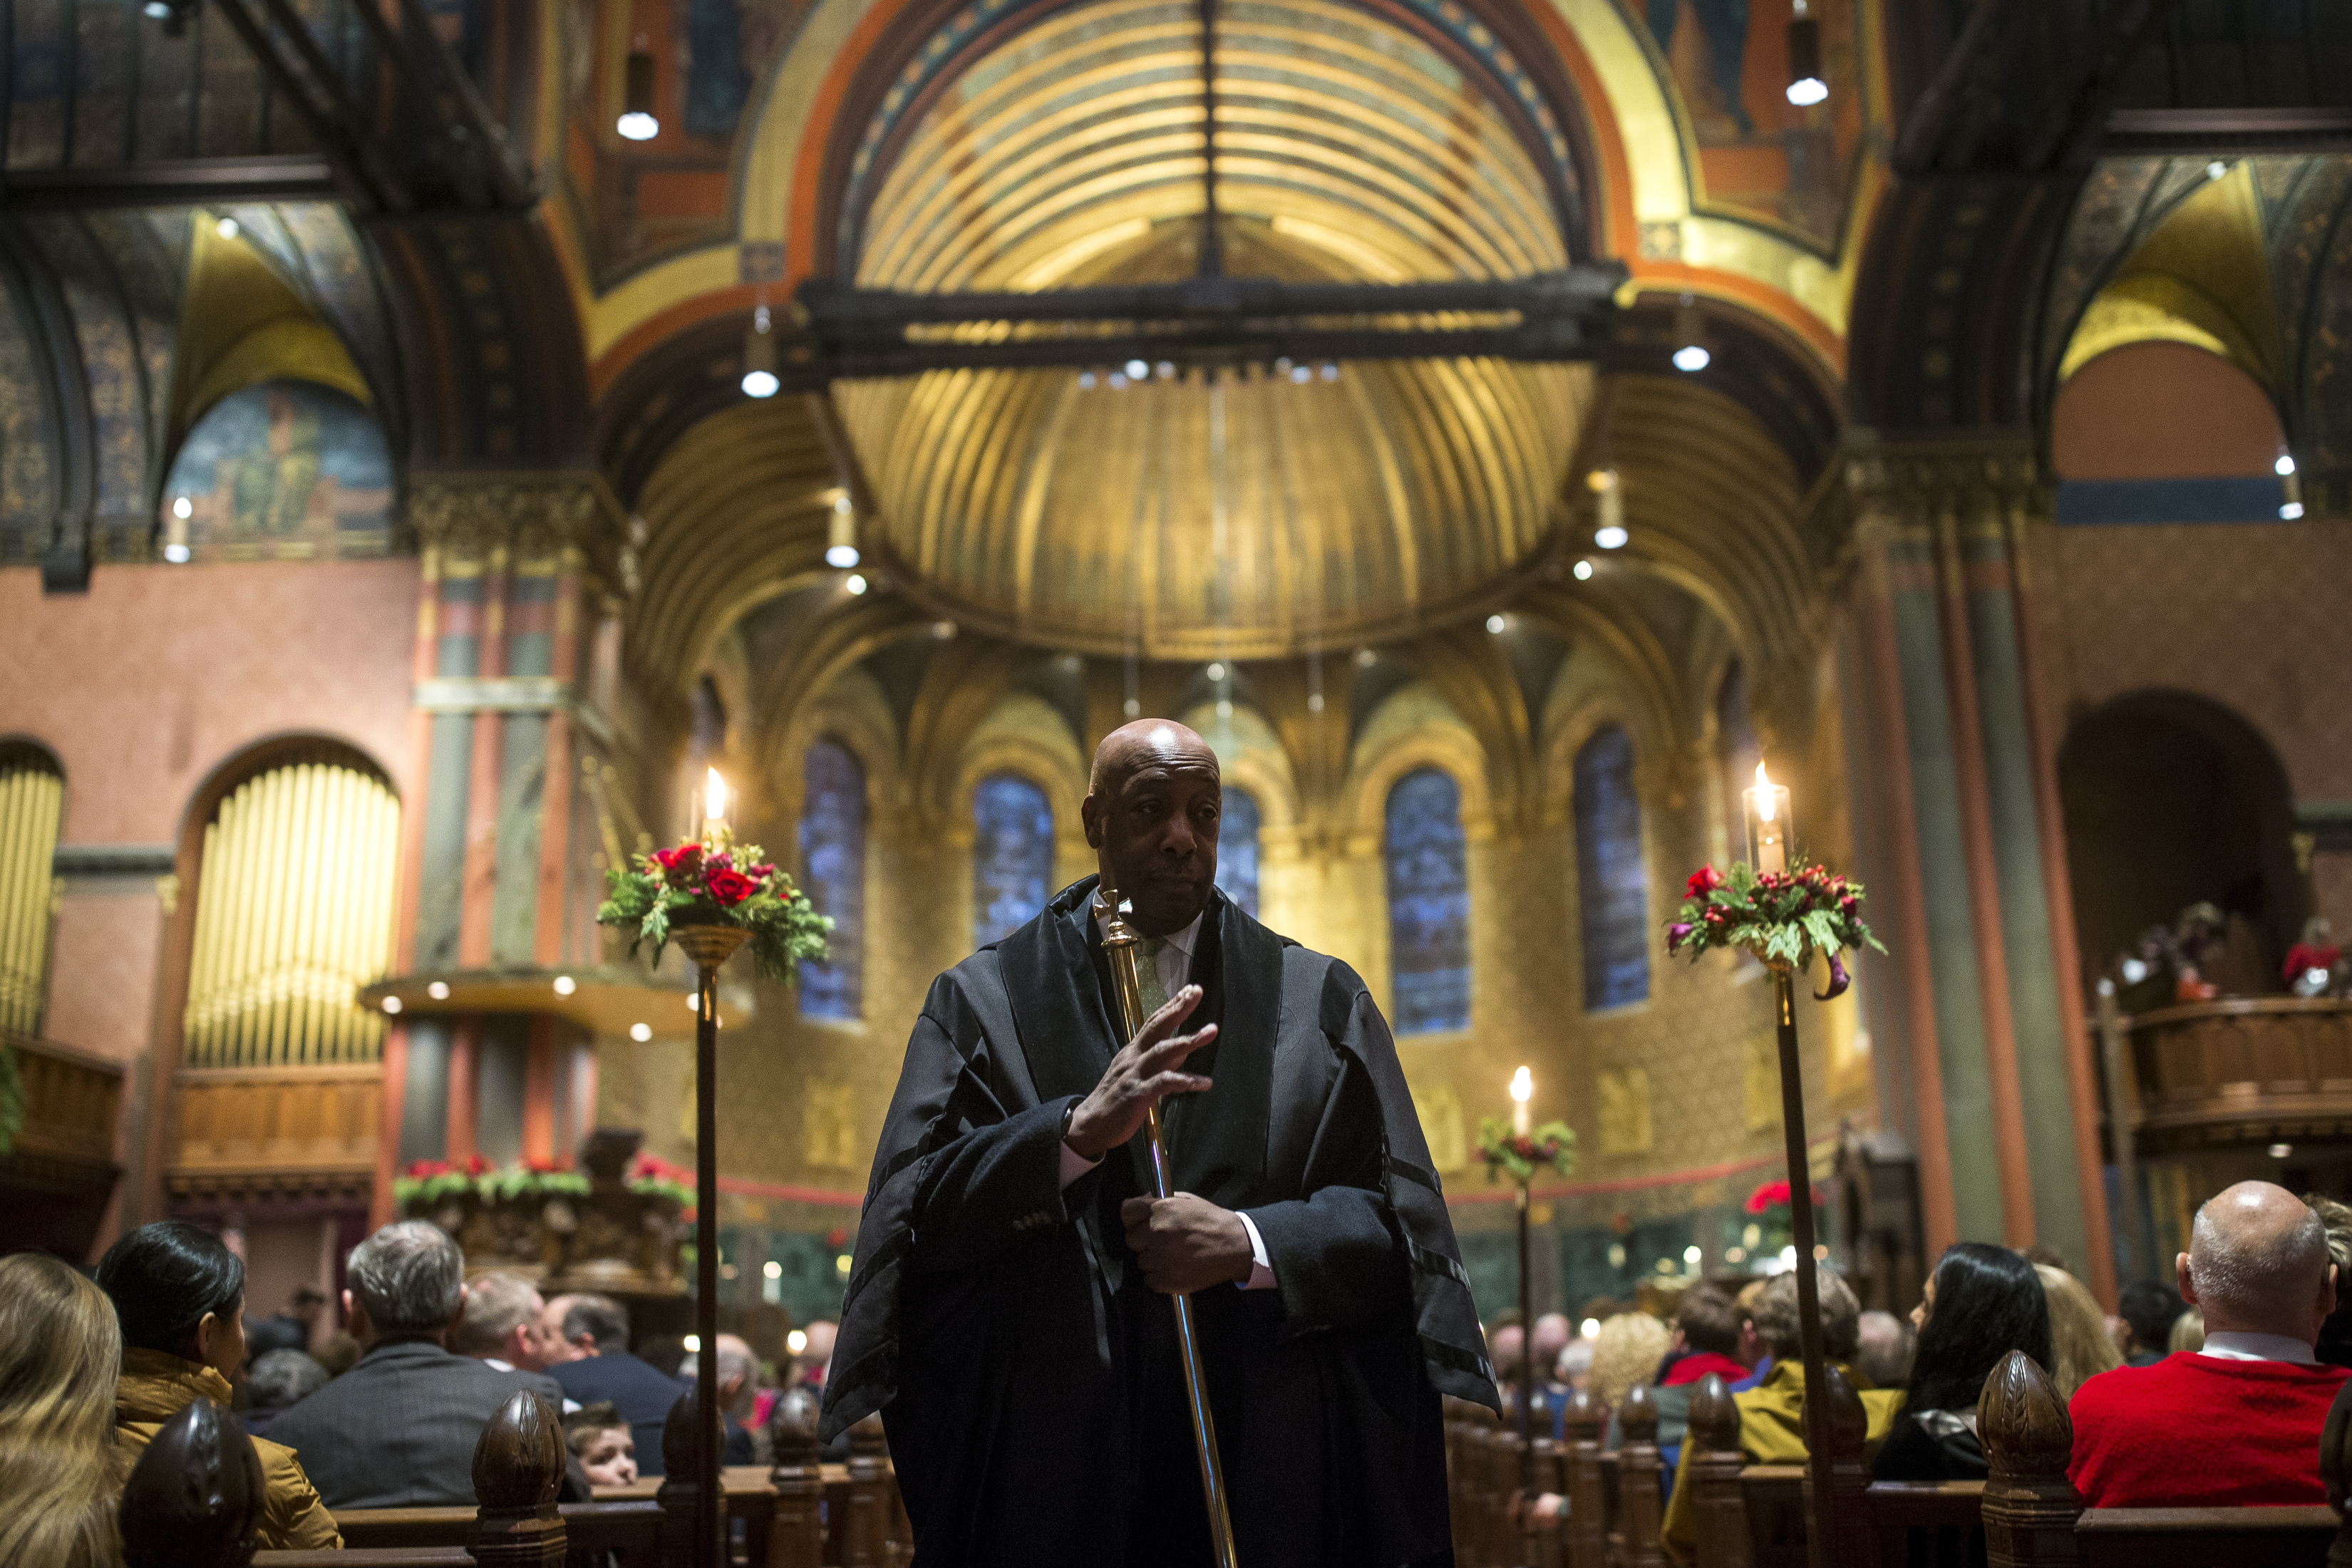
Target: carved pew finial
{"x": 682, "y": 1450}
{"x": 1639, "y": 1503}
{"x": 799, "y": 1481}
{"x": 2030, "y": 1506}
{"x": 518, "y": 1466}
{"x": 1718, "y": 1513}
{"x": 194, "y": 1499}
{"x": 1584, "y": 1419}
{"x": 867, "y": 1540}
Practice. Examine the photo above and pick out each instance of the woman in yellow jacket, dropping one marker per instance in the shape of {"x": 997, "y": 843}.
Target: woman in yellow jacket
{"x": 180, "y": 1297}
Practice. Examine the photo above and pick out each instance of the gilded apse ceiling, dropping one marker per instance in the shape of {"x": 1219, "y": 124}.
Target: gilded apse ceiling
{"x": 1250, "y": 515}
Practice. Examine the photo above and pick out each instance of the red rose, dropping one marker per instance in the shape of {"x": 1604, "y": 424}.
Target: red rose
{"x": 729, "y": 888}
{"x": 762, "y": 871}
{"x": 1703, "y": 882}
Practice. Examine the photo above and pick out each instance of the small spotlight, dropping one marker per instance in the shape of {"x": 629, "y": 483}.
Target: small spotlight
{"x": 1692, "y": 358}
{"x": 1330, "y": 372}
{"x": 693, "y": 1347}
{"x": 1496, "y": 624}
{"x": 1315, "y": 702}
{"x": 391, "y": 1003}
{"x": 1216, "y": 672}
{"x": 177, "y": 554}
{"x": 637, "y": 122}
{"x": 1282, "y": 365}
{"x": 1136, "y": 370}
{"x": 2134, "y": 970}
{"x": 760, "y": 384}
{"x": 841, "y": 1265}
{"x": 438, "y": 991}
{"x": 841, "y": 556}
{"x": 943, "y": 630}
{"x": 1224, "y": 708}
{"x": 1132, "y": 708}
{"x": 1609, "y": 538}
{"x": 1117, "y": 381}
{"x": 2281, "y": 1150}
{"x": 1086, "y": 384}
{"x": 1165, "y": 370}
{"x": 760, "y": 358}
{"x": 2283, "y": 468}
{"x": 1365, "y": 658}
{"x": 1301, "y": 374}
{"x": 641, "y": 1033}
{"x": 841, "y": 535}
{"x": 158, "y": 10}
{"x": 184, "y": 509}
{"x": 2216, "y": 169}
{"x": 1691, "y": 353}
{"x": 693, "y": 1003}
{"x": 1691, "y": 1256}
{"x": 2289, "y": 511}
{"x": 856, "y": 583}
{"x": 1583, "y": 570}
{"x": 565, "y": 985}
{"x": 1734, "y": 1255}
{"x": 1590, "y": 1328}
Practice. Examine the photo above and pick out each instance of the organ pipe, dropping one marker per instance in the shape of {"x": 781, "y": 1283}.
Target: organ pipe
{"x": 293, "y": 915}
{"x": 32, "y": 798}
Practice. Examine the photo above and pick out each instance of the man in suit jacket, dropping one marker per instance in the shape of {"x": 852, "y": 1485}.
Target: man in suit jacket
{"x": 398, "y": 1430}
{"x": 594, "y": 1336}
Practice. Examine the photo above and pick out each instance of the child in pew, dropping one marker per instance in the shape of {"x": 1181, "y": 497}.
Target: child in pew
{"x": 600, "y": 1439}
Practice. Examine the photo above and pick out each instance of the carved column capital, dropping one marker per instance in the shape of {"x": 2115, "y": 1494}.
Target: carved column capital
{"x": 474, "y": 515}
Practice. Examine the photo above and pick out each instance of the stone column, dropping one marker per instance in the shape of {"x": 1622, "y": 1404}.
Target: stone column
{"x": 1960, "y": 802}
{"x": 499, "y": 852}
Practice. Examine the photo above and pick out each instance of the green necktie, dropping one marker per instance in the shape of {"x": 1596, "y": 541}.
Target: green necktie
{"x": 1146, "y": 973}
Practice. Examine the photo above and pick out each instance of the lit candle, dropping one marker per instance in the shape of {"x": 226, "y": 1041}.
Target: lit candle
{"x": 1523, "y": 1091}
{"x": 714, "y": 806}
{"x": 1767, "y": 823}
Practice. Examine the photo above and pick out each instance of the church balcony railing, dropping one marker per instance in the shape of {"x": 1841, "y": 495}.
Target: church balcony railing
{"x": 2241, "y": 1071}
{"x": 291, "y": 1133}
{"x": 60, "y": 1173}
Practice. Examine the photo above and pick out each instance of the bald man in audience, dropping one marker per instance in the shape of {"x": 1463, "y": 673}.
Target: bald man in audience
{"x": 2236, "y": 1424}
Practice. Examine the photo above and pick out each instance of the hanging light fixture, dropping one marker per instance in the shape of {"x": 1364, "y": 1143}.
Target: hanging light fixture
{"x": 841, "y": 537}
{"x": 1807, "y": 86}
{"x": 760, "y": 358}
{"x": 2290, "y": 488}
{"x": 1691, "y": 353}
{"x": 1609, "y": 509}
{"x": 637, "y": 122}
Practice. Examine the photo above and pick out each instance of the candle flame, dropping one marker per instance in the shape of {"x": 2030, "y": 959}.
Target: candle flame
{"x": 715, "y": 795}
{"x": 1523, "y": 1086}
{"x": 1764, "y": 801}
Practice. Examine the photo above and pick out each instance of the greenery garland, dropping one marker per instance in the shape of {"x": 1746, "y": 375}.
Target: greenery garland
{"x": 430, "y": 1181}
{"x": 12, "y": 1098}
{"x": 716, "y": 882}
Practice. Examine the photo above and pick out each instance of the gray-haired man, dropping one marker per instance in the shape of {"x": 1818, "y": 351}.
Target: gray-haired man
{"x": 398, "y": 1430}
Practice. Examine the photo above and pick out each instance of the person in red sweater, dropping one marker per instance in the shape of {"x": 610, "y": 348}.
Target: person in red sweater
{"x": 2235, "y": 1424}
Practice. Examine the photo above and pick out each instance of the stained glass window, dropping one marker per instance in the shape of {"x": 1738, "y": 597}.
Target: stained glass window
{"x": 1429, "y": 904}
{"x": 1611, "y": 884}
{"x": 1012, "y": 855}
{"x": 833, "y": 869}
{"x": 1237, "y": 849}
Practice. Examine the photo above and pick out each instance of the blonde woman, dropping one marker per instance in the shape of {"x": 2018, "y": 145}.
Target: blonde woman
{"x": 2078, "y": 1332}
{"x": 1627, "y": 1351}
{"x": 60, "y": 1467}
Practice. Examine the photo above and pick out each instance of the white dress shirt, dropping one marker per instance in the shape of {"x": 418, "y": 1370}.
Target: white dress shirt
{"x": 1175, "y": 963}
{"x": 2257, "y": 1347}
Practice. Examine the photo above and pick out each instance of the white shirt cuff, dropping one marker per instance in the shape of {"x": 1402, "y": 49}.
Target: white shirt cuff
{"x": 1261, "y": 1270}
{"x": 1074, "y": 1164}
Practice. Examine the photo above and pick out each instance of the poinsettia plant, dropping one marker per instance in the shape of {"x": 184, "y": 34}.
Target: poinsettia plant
{"x": 657, "y": 1177}
{"x": 1521, "y": 1154}
{"x": 716, "y": 882}
{"x": 1784, "y": 918}
{"x": 1775, "y": 1194}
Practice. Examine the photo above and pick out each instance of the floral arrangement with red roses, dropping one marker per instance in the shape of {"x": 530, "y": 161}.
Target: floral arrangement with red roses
{"x": 1522, "y": 1155}
{"x": 714, "y": 880}
{"x": 1784, "y": 918}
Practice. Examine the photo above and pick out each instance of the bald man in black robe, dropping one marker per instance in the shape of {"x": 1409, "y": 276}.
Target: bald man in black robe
{"x": 1008, "y": 1308}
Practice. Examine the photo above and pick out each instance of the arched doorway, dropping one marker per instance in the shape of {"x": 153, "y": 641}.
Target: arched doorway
{"x": 2171, "y": 800}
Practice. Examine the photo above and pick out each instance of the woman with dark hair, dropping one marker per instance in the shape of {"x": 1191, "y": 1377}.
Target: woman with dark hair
{"x": 1981, "y": 1303}
{"x": 179, "y": 1295}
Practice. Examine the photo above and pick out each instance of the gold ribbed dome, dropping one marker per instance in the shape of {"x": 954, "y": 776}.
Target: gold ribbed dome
{"x": 1255, "y": 515}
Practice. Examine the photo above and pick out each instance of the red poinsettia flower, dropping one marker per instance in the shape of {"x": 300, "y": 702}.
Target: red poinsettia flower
{"x": 1775, "y": 1194}
{"x": 836, "y": 1238}
{"x": 478, "y": 1165}
{"x": 1703, "y": 882}
{"x": 729, "y": 888}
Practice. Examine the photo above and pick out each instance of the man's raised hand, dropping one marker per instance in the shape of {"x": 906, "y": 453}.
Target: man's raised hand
{"x": 1147, "y": 1068}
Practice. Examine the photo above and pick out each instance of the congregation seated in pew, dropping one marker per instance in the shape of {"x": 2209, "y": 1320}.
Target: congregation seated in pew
{"x": 276, "y": 1382}
{"x": 2236, "y": 1423}
{"x": 1981, "y": 1302}
{"x": 179, "y": 1297}
{"x": 398, "y": 1430}
{"x": 590, "y": 1360}
{"x": 1773, "y": 1413}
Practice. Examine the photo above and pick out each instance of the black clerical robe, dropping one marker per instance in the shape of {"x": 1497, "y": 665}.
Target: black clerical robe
{"x": 1029, "y": 1380}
